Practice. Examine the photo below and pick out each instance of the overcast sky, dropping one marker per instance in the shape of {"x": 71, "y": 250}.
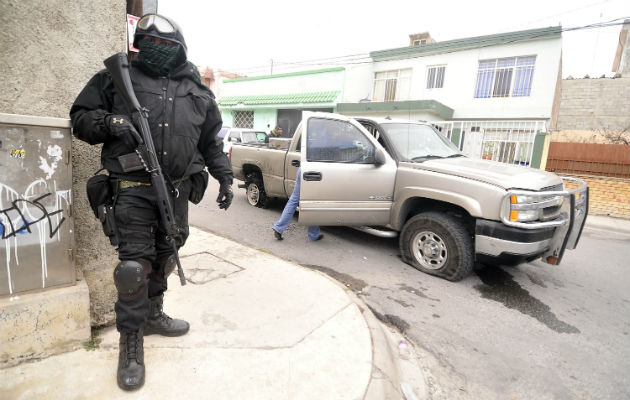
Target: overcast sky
{"x": 244, "y": 36}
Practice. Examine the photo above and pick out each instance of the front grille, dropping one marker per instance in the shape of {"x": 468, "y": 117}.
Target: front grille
{"x": 551, "y": 212}
{"x": 554, "y": 188}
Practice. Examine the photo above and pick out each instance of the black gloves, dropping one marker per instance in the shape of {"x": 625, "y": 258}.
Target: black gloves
{"x": 225, "y": 195}
{"x": 121, "y": 127}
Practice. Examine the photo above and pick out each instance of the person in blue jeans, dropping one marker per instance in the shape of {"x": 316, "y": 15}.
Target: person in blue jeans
{"x": 289, "y": 210}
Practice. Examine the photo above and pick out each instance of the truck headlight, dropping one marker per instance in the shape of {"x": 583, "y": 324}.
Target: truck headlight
{"x": 524, "y": 208}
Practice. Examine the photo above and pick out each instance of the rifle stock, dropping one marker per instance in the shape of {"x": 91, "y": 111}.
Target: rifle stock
{"x": 118, "y": 67}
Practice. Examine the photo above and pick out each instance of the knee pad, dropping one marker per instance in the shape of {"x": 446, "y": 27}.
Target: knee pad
{"x": 165, "y": 267}
{"x": 129, "y": 277}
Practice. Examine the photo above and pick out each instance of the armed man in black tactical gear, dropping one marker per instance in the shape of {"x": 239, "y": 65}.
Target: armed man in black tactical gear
{"x": 184, "y": 120}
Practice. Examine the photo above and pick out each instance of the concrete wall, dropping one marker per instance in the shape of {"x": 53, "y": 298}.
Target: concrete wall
{"x": 49, "y": 51}
{"x": 593, "y": 105}
{"x": 461, "y": 77}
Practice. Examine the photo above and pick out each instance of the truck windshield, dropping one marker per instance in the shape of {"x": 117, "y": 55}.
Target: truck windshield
{"x": 417, "y": 143}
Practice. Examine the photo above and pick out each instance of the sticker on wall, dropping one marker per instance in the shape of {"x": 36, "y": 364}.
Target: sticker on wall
{"x": 18, "y": 153}
{"x": 49, "y": 164}
{"x": 56, "y": 135}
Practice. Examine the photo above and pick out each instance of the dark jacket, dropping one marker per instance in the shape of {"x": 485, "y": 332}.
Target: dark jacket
{"x": 183, "y": 116}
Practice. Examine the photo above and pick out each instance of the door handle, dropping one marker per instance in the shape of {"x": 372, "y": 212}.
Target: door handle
{"x": 295, "y": 163}
{"x": 312, "y": 176}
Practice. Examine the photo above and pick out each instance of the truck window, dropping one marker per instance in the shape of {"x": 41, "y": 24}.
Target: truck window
{"x": 337, "y": 141}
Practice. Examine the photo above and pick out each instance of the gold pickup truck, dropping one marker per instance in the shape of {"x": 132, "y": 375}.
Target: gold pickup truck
{"x": 400, "y": 178}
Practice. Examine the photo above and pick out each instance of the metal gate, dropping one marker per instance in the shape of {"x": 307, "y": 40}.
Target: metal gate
{"x": 510, "y": 142}
{"x": 36, "y": 224}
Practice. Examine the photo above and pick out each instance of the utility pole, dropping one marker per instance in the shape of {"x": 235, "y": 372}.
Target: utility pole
{"x": 271, "y": 73}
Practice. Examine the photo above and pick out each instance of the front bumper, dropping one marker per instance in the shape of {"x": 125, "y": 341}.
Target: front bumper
{"x": 528, "y": 240}
{"x": 497, "y": 240}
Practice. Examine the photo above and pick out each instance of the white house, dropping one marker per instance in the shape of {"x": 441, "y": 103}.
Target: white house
{"x": 504, "y": 76}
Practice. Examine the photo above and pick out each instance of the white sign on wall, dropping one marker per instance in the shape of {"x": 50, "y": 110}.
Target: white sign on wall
{"x": 132, "y": 20}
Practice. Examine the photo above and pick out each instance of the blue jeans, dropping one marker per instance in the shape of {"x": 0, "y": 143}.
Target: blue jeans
{"x": 289, "y": 210}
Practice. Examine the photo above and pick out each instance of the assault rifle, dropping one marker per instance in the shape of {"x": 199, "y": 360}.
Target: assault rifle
{"x": 118, "y": 67}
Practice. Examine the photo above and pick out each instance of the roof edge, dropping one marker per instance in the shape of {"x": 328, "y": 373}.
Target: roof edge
{"x": 431, "y": 106}
{"x": 467, "y": 43}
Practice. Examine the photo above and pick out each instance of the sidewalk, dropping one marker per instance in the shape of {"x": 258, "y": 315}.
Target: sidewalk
{"x": 261, "y": 328}
{"x": 602, "y": 222}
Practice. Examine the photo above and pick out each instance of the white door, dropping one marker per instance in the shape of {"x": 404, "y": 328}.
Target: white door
{"x": 342, "y": 182}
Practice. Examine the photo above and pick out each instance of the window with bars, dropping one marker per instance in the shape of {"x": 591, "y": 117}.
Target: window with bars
{"x": 244, "y": 119}
{"x": 504, "y": 76}
{"x": 392, "y": 85}
{"x": 435, "y": 77}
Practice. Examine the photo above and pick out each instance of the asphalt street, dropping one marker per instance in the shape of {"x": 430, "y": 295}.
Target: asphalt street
{"x": 532, "y": 331}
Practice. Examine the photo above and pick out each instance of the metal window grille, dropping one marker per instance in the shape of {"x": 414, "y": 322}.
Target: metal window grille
{"x": 244, "y": 119}
{"x": 392, "y": 85}
{"x": 524, "y": 76}
{"x": 496, "y": 78}
{"x": 435, "y": 77}
{"x": 510, "y": 142}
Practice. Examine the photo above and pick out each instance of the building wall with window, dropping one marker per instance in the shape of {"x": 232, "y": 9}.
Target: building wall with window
{"x": 464, "y": 81}
{"x": 264, "y": 102}
{"x": 503, "y": 76}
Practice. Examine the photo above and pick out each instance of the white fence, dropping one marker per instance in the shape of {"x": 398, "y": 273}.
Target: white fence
{"x": 510, "y": 142}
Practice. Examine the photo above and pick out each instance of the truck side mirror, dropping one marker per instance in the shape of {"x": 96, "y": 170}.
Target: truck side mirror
{"x": 379, "y": 157}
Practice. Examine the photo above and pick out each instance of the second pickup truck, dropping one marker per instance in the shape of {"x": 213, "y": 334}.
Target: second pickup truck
{"x": 400, "y": 178}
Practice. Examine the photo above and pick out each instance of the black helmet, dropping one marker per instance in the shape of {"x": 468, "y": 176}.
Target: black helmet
{"x": 161, "y": 27}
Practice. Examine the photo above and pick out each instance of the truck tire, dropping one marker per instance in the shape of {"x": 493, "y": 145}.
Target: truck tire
{"x": 437, "y": 244}
{"x": 255, "y": 190}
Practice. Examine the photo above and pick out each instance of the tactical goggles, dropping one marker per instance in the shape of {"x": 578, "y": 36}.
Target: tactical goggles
{"x": 161, "y": 24}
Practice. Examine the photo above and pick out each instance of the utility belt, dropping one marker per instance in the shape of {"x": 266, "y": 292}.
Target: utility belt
{"x": 125, "y": 184}
{"x": 102, "y": 192}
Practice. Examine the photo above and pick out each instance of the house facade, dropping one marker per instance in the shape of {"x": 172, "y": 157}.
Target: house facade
{"x": 491, "y": 95}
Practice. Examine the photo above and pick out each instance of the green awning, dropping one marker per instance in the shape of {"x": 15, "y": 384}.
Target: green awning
{"x": 293, "y": 98}
{"x": 429, "y": 106}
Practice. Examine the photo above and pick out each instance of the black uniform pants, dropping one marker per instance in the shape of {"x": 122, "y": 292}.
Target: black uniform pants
{"x": 142, "y": 238}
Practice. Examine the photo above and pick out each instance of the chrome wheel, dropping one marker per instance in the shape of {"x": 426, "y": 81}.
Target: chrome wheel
{"x": 253, "y": 194}
{"x": 429, "y": 250}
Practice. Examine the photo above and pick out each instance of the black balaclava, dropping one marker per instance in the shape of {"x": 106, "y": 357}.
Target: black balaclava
{"x": 158, "y": 59}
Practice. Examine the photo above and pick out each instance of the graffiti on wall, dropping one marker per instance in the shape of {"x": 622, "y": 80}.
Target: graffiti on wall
{"x": 38, "y": 212}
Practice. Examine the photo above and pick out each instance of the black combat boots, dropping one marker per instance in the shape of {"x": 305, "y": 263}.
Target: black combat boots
{"x": 131, "y": 360}
{"x": 162, "y": 324}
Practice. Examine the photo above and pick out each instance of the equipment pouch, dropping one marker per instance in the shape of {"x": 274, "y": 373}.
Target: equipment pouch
{"x": 106, "y": 216}
{"x": 199, "y": 183}
{"x": 98, "y": 192}
{"x": 130, "y": 162}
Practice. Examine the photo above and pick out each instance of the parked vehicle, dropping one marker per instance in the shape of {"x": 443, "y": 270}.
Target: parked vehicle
{"x": 400, "y": 178}
{"x": 231, "y": 135}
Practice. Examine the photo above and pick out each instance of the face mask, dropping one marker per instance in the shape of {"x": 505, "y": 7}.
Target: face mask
{"x": 157, "y": 58}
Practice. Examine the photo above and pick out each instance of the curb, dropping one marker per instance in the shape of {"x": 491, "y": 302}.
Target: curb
{"x": 600, "y": 222}
{"x": 394, "y": 376}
